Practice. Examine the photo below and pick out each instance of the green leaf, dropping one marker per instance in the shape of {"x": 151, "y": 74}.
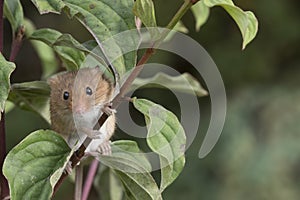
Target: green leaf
{"x": 180, "y": 27}
{"x": 201, "y": 13}
{"x": 9, "y": 106}
{"x": 34, "y": 166}
{"x": 144, "y": 9}
{"x": 13, "y": 11}
{"x": 72, "y": 58}
{"x": 44, "y": 52}
{"x": 32, "y": 96}
{"x": 66, "y": 41}
{"x": 132, "y": 167}
{"x": 89, "y": 47}
{"x": 6, "y": 68}
{"x": 108, "y": 185}
{"x": 52, "y": 6}
{"x": 139, "y": 186}
{"x": 103, "y": 19}
{"x": 165, "y": 137}
{"x": 245, "y": 20}
{"x": 126, "y": 156}
{"x": 184, "y": 83}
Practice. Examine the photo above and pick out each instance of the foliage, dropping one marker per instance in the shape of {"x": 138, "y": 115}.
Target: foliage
{"x": 35, "y": 164}
{"x": 34, "y": 173}
{"x": 6, "y": 69}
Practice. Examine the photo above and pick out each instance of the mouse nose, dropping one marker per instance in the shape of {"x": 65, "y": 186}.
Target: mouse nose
{"x": 79, "y": 109}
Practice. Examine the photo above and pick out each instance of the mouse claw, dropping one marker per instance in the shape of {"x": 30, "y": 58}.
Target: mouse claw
{"x": 108, "y": 110}
{"x": 93, "y": 134}
{"x": 105, "y": 148}
{"x": 68, "y": 169}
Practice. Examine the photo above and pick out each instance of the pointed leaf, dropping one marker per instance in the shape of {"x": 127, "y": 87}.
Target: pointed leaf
{"x": 132, "y": 167}
{"x": 9, "y": 106}
{"x": 65, "y": 42}
{"x": 89, "y": 47}
{"x": 201, "y": 13}
{"x": 51, "y": 6}
{"x": 165, "y": 137}
{"x": 34, "y": 166}
{"x": 180, "y": 27}
{"x": 139, "y": 186}
{"x": 6, "y": 68}
{"x": 245, "y": 20}
{"x": 32, "y": 96}
{"x": 126, "y": 156}
{"x": 144, "y": 9}
{"x": 13, "y": 11}
{"x": 103, "y": 19}
{"x": 184, "y": 83}
{"x": 72, "y": 58}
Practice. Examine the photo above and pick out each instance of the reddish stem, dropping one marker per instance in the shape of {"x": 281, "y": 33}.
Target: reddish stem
{"x": 17, "y": 43}
{"x": 1, "y": 25}
{"x": 4, "y": 183}
{"x": 89, "y": 179}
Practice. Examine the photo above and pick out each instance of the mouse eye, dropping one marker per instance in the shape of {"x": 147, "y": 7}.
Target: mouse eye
{"x": 66, "y": 95}
{"x": 88, "y": 91}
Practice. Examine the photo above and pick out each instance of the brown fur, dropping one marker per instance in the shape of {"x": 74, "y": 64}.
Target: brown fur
{"x": 75, "y": 83}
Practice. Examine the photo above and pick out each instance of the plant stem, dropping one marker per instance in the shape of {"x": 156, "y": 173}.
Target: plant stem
{"x": 17, "y": 43}
{"x": 125, "y": 87}
{"x": 3, "y": 182}
{"x": 78, "y": 182}
{"x": 89, "y": 179}
{"x": 1, "y": 25}
{"x": 179, "y": 14}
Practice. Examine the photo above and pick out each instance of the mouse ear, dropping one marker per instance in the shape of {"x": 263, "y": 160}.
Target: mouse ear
{"x": 52, "y": 80}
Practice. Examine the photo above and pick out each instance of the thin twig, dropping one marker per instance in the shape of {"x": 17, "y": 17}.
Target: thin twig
{"x": 17, "y": 43}
{"x": 4, "y": 183}
{"x": 89, "y": 179}
{"x": 78, "y": 182}
{"x": 1, "y": 25}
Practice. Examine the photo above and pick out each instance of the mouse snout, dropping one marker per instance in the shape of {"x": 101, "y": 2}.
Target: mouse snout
{"x": 79, "y": 109}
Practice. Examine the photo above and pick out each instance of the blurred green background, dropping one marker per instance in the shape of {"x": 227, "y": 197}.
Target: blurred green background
{"x": 258, "y": 154}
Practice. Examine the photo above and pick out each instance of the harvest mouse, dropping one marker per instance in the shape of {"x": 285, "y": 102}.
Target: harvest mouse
{"x": 77, "y": 100}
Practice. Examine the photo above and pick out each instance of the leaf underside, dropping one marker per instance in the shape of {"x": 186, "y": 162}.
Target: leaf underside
{"x": 165, "y": 137}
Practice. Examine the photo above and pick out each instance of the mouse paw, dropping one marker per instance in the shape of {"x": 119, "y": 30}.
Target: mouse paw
{"x": 68, "y": 169}
{"x": 93, "y": 134}
{"x": 108, "y": 110}
{"x": 105, "y": 148}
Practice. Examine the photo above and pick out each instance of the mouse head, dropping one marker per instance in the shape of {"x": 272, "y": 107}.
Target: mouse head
{"x": 79, "y": 92}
